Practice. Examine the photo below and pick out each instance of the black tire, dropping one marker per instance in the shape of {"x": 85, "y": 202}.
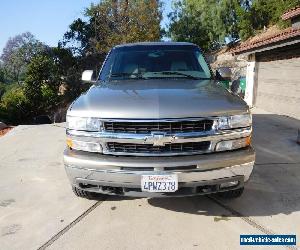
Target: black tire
{"x": 83, "y": 194}
{"x": 231, "y": 194}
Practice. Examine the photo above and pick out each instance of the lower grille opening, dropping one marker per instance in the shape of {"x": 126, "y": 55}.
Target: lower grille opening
{"x": 112, "y": 190}
{"x": 87, "y": 186}
{"x": 182, "y": 190}
{"x": 207, "y": 189}
{"x": 181, "y": 167}
{"x": 189, "y": 147}
{"x": 137, "y": 168}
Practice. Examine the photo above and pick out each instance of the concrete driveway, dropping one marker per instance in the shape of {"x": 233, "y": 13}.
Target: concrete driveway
{"x": 39, "y": 210}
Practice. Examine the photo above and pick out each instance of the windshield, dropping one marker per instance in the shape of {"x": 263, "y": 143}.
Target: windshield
{"x": 145, "y": 62}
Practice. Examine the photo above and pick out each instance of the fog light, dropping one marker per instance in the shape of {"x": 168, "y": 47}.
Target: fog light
{"x": 229, "y": 184}
{"x": 84, "y": 146}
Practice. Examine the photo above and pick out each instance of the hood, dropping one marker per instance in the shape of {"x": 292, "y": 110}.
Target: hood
{"x": 157, "y": 99}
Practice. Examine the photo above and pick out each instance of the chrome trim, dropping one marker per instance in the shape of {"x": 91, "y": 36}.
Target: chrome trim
{"x": 214, "y": 118}
{"x": 162, "y": 120}
{"x": 177, "y": 137}
{"x": 214, "y": 136}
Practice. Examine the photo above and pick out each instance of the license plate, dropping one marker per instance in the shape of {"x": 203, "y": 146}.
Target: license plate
{"x": 159, "y": 183}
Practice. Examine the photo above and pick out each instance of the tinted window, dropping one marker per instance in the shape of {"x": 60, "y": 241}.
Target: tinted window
{"x": 151, "y": 62}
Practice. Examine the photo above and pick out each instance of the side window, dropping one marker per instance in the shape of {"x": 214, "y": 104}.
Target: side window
{"x": 203, "y": 64}
{"x": 106, "y": 67}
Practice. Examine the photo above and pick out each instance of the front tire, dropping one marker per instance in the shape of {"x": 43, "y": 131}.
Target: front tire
{"x": 231, "y": 194}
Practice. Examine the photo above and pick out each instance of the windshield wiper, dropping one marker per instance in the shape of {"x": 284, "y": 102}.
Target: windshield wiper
{"x": 127, "y": 75}
{"x": 180, "y": 74}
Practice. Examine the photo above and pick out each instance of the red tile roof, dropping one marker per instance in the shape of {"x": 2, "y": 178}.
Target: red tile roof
{"x": 294, "y": 12}
{"x": 266, "y": 40}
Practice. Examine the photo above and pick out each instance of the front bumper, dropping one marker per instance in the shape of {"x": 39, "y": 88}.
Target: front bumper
{"x": 121, "y": 175}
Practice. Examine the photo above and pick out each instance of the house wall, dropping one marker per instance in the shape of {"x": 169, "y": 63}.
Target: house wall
{"x": 278, "y": 81}
{"x": 237, "y": 64}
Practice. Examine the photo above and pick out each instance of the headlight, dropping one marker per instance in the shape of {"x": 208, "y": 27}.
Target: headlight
{"x": 80, "y": 123}
{"x": 233, "y": 144}
{"x": 235, "y": 121}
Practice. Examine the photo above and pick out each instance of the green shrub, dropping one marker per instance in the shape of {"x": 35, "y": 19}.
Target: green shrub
{"x": 13, "y": 106}
{"x": 2, "y": 89}
{"x": 41, "y": 84}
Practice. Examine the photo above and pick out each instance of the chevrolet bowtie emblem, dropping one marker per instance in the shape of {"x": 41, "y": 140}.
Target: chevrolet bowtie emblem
{"x": 159, "y": 139}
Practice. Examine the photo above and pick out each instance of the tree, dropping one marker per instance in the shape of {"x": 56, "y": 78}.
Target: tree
{"x": 70, "y": 69}
{"x": 41, "y": 84}
{"x": 195, "y": 21}
{"x": 208, "y": 22}
{"x": 18, "y": 53}
{"x": 204, "y": 22}
{"x": 2, "y": 74}
{"x": 113, "y": 22}
{"x": 52, "y": 78}
{"x": 42, "y": 90}
{"x": 268, "y": 12}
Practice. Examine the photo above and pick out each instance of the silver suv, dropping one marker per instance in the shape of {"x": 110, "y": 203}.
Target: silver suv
{"x": 156, "y": 122}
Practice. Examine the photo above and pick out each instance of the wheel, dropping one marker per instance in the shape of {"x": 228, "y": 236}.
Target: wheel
{"x": 231, "y": 194}
{"x": 83, "y": 194}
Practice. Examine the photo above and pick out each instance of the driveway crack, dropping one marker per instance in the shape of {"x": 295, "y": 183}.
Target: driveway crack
{"x": 248, "y": 220}
{"x": 70, "y": 225}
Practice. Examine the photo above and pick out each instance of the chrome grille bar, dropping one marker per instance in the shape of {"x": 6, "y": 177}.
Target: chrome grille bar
{"x": 142, "y": 127}
{"x": 193, "y": 147}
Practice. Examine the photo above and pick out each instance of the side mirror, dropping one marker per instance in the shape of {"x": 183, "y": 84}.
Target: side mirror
{"x": 87, "y": 76}
{"x": 224, "y": 74}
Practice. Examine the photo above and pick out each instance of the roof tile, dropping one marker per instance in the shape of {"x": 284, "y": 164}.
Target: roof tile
{"x": 277, "y": 37}
{"x": 294, "y": 12}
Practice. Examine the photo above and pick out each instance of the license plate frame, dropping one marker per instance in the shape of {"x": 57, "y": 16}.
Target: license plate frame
{"x": 159, "y": 183}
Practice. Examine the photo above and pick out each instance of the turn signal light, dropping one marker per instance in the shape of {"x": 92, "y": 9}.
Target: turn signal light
{"x": 233, "y": 144}
{"x": 84, "y": 146}
{"x": 69, "y": 143}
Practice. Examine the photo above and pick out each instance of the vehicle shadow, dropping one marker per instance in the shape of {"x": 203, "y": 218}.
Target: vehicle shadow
{"x": 275, "y": 182}
{"x": 101, "y": 197}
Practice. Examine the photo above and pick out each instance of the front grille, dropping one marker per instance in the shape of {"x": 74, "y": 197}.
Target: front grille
{"x": 189, "y": 147}
{"x": 159, "y": 126}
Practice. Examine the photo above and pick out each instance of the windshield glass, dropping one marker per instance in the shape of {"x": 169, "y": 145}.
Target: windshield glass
{"x": 144, "y": 62}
